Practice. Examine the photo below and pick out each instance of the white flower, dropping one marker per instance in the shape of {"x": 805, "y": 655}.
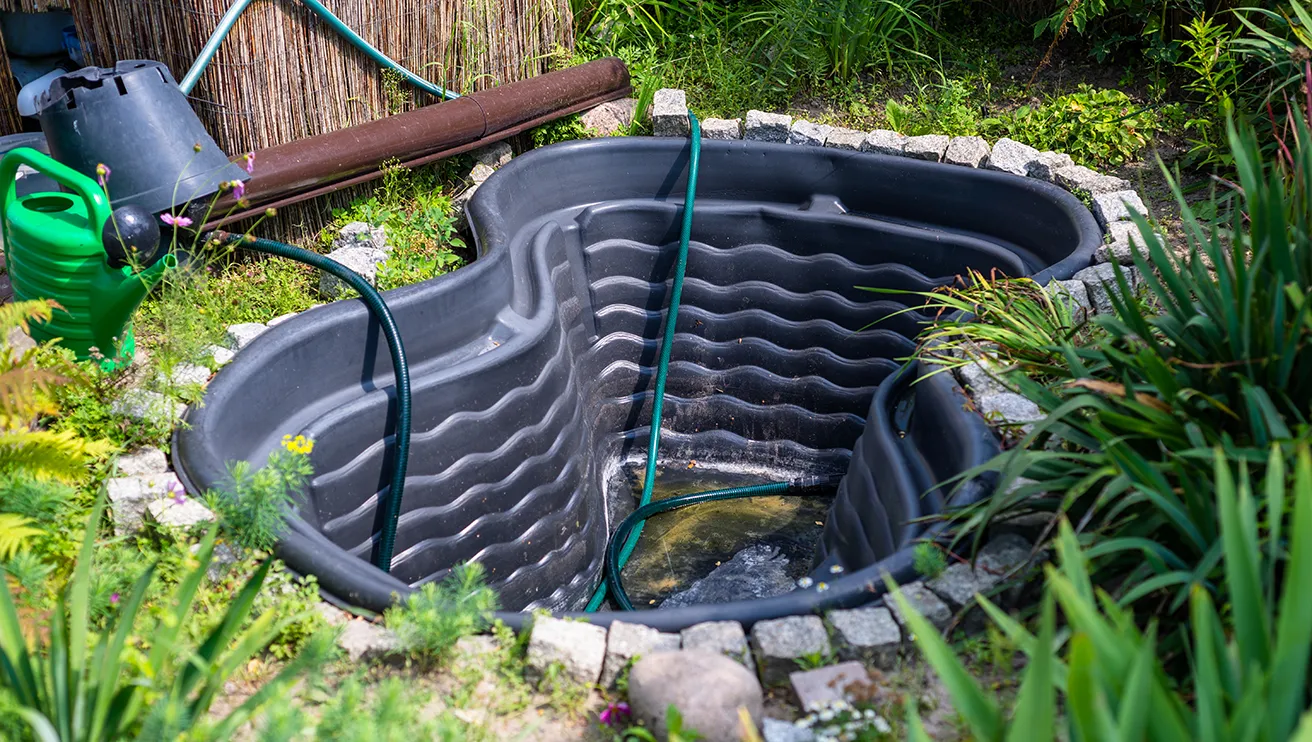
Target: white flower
{"x": 826, "y": 715}
{"x": 805, "y": 582}
{"x": 821, "y": 587}
{"x": 836, "y": 569}
{"x": 882, "y": 726}
{"x": 869, "y": 713}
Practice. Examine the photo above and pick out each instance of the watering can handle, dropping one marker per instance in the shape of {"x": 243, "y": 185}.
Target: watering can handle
{"x": 92, "y": 194}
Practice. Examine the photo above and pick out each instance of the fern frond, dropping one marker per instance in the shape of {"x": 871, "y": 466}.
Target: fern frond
{"x": 23, "y": 313}
{"x": 23, "y": 393}
{"x": 15, "y": 530}
{"x": 47, "y": 454}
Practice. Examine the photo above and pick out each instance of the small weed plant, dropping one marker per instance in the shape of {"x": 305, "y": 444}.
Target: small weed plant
{"x": 432, "y": 620}
{"x": 254, "y": 505}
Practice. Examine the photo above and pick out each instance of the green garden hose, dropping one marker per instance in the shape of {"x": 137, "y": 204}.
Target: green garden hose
{"x": 625, "y": 539}
{"x": 230, "y": 19}
{"x": 400, "y": 367}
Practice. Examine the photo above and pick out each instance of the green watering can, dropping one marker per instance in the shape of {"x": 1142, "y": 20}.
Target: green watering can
{"x": 71, "y": 248}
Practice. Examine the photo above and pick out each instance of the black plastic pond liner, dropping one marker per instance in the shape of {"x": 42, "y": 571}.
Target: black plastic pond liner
{"x": 532, "y": 367}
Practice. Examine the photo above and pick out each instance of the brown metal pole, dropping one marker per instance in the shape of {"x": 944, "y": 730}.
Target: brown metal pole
{"x": 314, "y": 166}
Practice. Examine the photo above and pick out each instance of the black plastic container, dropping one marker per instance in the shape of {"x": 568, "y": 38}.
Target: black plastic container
{"x": 133, "y": 119}
{"x": 532, "y": 368}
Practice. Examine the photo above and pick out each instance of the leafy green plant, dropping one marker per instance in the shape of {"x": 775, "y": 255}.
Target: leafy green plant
{"x": 1215, "y": 67}
{"x": 74, "y": 684}
{"x": 1223, "y": 358}
{"x": 1248, "y": 671}
{"x": 560, "y": 130}
{"x": 1095, "y": 126}
{"x": 253, "y": 505}
{"x": 433, "y": 619}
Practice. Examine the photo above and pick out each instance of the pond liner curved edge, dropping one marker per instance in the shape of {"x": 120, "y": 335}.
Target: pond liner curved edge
{"x": 308, "y": 551}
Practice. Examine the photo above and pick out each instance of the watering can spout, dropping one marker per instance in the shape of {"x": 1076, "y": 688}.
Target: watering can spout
{"x": 116, "y": 294}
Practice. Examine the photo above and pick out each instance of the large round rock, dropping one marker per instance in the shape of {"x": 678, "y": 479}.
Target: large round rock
{"x": 706, "y": 687}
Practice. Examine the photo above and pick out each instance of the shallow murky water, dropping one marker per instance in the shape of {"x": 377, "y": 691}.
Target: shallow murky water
{"x": 679, "y": 547}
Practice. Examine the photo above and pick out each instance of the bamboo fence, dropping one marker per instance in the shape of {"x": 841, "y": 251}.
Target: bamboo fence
{"x": 284, "y": 74}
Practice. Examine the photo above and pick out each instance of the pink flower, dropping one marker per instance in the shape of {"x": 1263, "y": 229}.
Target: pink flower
{"x": 178, "y": 491}
{"x": 238, "y": 189}
{"x": 113, "y": 599}
{"x": 102, "y": 174}
{"x": 175, "y": 221}
{"x": 615, "y": 714}
{"x": 250, "y": 162}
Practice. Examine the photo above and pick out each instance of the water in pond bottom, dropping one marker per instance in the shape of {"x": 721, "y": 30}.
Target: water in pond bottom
{"x": 740, "y": 549}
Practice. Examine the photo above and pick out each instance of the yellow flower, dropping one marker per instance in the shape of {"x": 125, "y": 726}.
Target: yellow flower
{"x": 299, "y": 444}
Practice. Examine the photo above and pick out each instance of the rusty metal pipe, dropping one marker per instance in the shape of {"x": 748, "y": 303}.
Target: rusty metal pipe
{"x": 306, "y": 168}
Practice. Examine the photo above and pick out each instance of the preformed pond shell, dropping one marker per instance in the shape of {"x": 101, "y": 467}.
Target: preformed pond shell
{"x": 532, "y": 367}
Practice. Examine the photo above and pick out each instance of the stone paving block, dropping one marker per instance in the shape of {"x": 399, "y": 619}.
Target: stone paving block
{"x": 1048, "y": 163}
{"x": 849, "y": 139}
{"x": 364, "y": 641}
{"x": 129, "y": 496}
{"x": 362, "y": 260}
{"x": 181, "y": 513}
{"x": 669, "y": 113}
{"x": 706, "y": 687}
{"x": 1010, "y": 156}
{"x": 982, "y": 376}
{"x": 725, "y": 637}
{"x": 579, "y": 647}
{"x": 1116, "y": 206}
{"x": 868, "y": 634}
{"x": 1007, "y": 407}
{"x": 925, "y": 602}
{"x": 610, "y": 118}
{"x": 1082, "y": 181}
{"x": 815, "y": 688}
{"x": 808, "y": 134}
{"x": 885, "y": 142}
{"x": 627, "y": 641}
{"x": 147, "y": 406}
{"x": 142, "y": 461}
{"x": 779, "y": 643}
{"x": 767, "y": 127}
{"x": 497, "y": 154}
{"x": 927, "y": 147}
{"x": 722, "y": 129}
{"x": 967, "y": 151}
{"x": 240, "y": 335}
{"x": 1100, "y": 280}
{"x": 1074, "y": 295}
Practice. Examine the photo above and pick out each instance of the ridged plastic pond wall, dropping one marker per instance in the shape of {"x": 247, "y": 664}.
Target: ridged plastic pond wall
{"x": 532, "y": 367}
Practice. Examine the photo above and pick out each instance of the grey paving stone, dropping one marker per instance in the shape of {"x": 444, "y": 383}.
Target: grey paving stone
{"x": 808, "y": 134}
{"x": 1100, "y": 280}
{"x": 142, "y": 461}
{"x": 362, "y": 234}
{"x": 497, "y": 154}
{"x": 362, "y": 260}
{"x": 1007, "y": 407}
{"x": 669, "y": 113}
{"x": 179, "y": 512}
{"x": 845, "y": 681}
{"x": 1082, "y": 181}
{"x": 885, "y": 142}
{"x": 868, "y": 634}
{"x": 849, "y": 139}
{"x": 368, "y": 642}
{"x": 1116, "y": 206}
{"x": 147, "y": 406}
{"x": 927, "y": 147}
{"x": 722, "y": 129}
{"x": 774, "y": 730}
{"x": 779, "y": 643}
{"x": 1010, "y": 156}
{"x": 767, "y": 127}
{"x": 725, "y": 637}
{"x": 579, "y": 647}
{"x": 239, "y": 336}
{"x": 1048, "y": 163}
{"x": 626, "y": 642}
{"x": 925, "y": 602}
{"x": 129, "y": 496}
{"x": 967, "y": 151}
